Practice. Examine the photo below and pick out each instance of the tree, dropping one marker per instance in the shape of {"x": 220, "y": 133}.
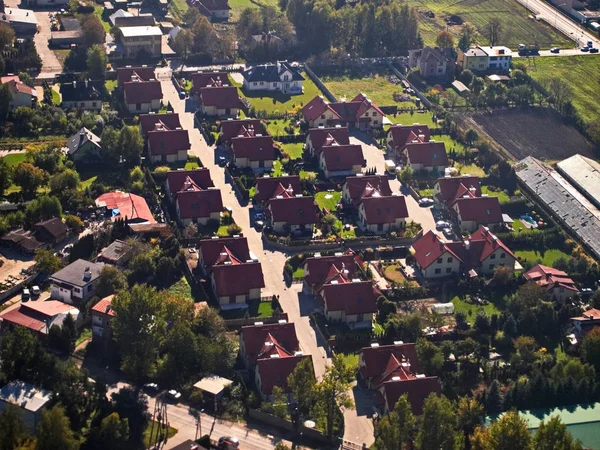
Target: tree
{"x": 560, "y": 92}
{"x": 444, "y": 39}
{"x": 5, "y": 176}
{"x": 407, "y": 174}
{"x": 96, "y": 62}
{"x": 5, "y": 98}
{"x": 54, "y": 431}
{"x": 469, "y": 413}
{"x": 510, "y": 432}
{"x": 131, "y": 144}
{"x": 113, "y": 434}
{"x": 332, "y": 393}
{"x": 43, "y": 208}
{"x": 394, "y": 430}
{"x": 112, "y": 280}
{"x": 183, "y": 42}
{"x": 493, "y": 30}
{"x": 590, "y": 348}
{"x": 12, "y": 428}
{"x": 132, "y": 405}
{"x": 430, "y": 356}
{"x": 438, "y": 424}
{"x": 279, "y": 402}
{"x": 554, "y": 435}
{"x": 302, "y": 383}
{"x": 525, "y": 347}
{"x": 493, "y": 400}
{"x": 66, "y": 180}
{"x": 46, "y": 261}
{"x": 93, "y": 30}
{"x": 74, "y": 223}
{"x": 139, "y": 328}
{"x": 468, "y": 36}
{"x": 7, "y": 36}
{"x": 29, "y": 177}
{"x": 110, "y": 146}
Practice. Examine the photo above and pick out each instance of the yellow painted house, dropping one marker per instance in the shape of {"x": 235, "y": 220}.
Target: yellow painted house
{"x": 473, "y": 59}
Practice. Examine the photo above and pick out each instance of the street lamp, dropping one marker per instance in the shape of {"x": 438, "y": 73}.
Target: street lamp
{"x": 199, "y": 424}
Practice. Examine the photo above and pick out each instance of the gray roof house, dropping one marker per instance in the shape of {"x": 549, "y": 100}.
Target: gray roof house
{"x": 117, "y": 253}
{"x": 84, "y": 147}
{"x": 282, "y": 77}
{"x": 29, "y": 399}
{"x": 75, "y": 283}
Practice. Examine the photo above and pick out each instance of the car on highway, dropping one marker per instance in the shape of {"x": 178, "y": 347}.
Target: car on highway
{"x": 593, "y": 50}
{"x": 425, "y": 202}
{"x": 555, "y": 50}
{"x": 174, "y": 395}
{"x": 228, "y": 443}
{"x": 585, "y": 49}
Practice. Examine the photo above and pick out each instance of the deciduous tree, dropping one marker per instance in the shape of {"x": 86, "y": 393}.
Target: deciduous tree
{"x": 5, "y": 176}
{"x": 553, "y": 435}
{"x": 12, "y": 428}
{"x": 46, "y": 261}
{"x": 93, "y": 30}
{"x": 493, "y": 31}
{"x": 29, "y": 177}
{"x": 437, "y": 430}
{"x": 394, "y": 430}
{"x": 430, "y": 356}
{"x": 444, "y": 39}
{"x": 54, "y": 431}
{"x": 302, "y": 383}
{"x": 510, "y": 432}
{"x": 590, "y": 348}
{"x": 96, "y": 62}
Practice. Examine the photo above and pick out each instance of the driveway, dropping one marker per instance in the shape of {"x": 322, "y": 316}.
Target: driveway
{"x": 50, "y": 64}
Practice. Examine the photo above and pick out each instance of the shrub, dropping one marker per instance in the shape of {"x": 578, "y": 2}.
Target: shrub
{"x": 74, "y": 223}
{"x": 160, "y": 173}
{"x": 234, "y": 229}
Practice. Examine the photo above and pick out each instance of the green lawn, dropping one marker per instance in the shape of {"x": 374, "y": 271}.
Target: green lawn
{"x": 178, "y": 7}
{"x": 470, "y": 169}
{"x": 110, "y": 85}
{"x": 471, "y": 310}
{"x": 277, "y": 169}
{"x": 547, "y": 258}
{"x": 582, "y": 75}
{"x": 14, "y": 159}
{"x": 256, "y": 308}
{"x": 55, "y": 98}
{"x": 277, "y": 127}
{"x": 265, "y": 309}
{"x": 222, "y": 231}
{"x": 98, "y": 11}
{"x": 351, "y": 359}
{"x": 191, "y": 165}
{"x": 516, "y": 26}
{"x": 298, "y": 274}
{"x": 518, "y": 225}
{"x": 294, "y": 150}
{"x": 502, "y": 195}
{"x": 329, "y": 203}
{"x": 172, "y": 432}
{"x": 85, "y": 334}
{"x": 377, "y": 88}
{"x": 181, "y": 289}
{"x": 110, "y": 178}
{"x": 275, "y": 102}
{"x": 407, "y": 118}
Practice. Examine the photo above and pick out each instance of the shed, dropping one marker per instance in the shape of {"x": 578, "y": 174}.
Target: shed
{"x": 443, "y": 308}
{"x": 29, "y": 399}
{"x": 460, "y": 87}
{"x": 214, "y": 385}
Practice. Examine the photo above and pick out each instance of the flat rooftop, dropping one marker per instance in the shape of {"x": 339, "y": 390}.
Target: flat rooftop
{"x": 140, "y": 31}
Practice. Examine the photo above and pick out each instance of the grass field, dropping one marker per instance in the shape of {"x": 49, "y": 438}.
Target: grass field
{"x": 295, "y": 150}
{"x": 14, "y": 159}
{"x": 178, "y": 7}
{"x": 329, "y": 203}
{"x": 517, "y": 28}
{"x": 98, "y": 12}
{"x": 181, "y": 289}
{"x": 582, "y": 74}
{"x": 422, "y": 118}
{"x": 471, "y": 310}
{"x": 277, "y": 127}
{"x": 172, "y": 432}
{"x": 502, "y": 196}
{"x": 393, "y": 273}
{"x": 470, "y": 169}
{"x": 276, "y": 102}
{"x": 547, "y": 258}
{"x": 378, "y": 89}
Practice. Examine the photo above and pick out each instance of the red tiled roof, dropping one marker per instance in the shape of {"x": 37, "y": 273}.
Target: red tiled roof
{"x": 384, "y": 209}
{"x": 358, "y": 297}
{"x": 244, "y": 127}
{"x": 35, "y": 315}
{"x": 256, "y": 148}
{"x": 168, "y": 142}
{"x": 129, "y": 205}
{"x": 294, "y": 211}
{"x": 403, "y": 134}
{"x": 417, "y": 390}
{"x": 483, "y": 210}
{"x": 490, "y": 243}
{"x": 18, "y": 86}
{"x": 358, "y": 184}
{"x": 267, "y": 186}
{"x": 327, "y": 136}
{"x": 275, "y": 372}
{"x": 178, "y": 179}
{"x": 199, "y": 204}
{"x": 366, "y": 104}
{"x": 316, "y": 107}
{"x": 124, "y": 74}
{"x": 212, "y": 248}
{"x": 255, "y": 338}
{"x": 428, "y": 154}
{"x": 142, "y": 92}
{"x": 452, "y": 188}
{"x": 549, "y": 278}
{"x": 220, "y": 97}
{"x": 237, "y": 279}
{"x": 429, "y": 248}
{"x": 590, "y": 314}
{"x": 148, "y": 121}
{"x": 317, "y": 269}
{"x": 375, "y": 360}
{"x": 104, "y": 306}
{"x": 343, "y": 157}
{"x": 204, "y": 79}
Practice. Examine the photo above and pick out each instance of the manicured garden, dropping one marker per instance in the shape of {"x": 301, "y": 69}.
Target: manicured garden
{"x": 328, "y": 200}
{"x": 14, "y": 159}
{"x": 408, "y": 118}
{"x": 470, "y": 310}
{"x": 547, "y": 258}
{"x": 394, "y": 273}
{"x": 293, "y": 150}
{"x": 503, "y": 197}
{"x": 181, "y": 289}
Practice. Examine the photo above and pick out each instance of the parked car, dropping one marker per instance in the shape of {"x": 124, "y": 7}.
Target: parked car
{"x": 151, "y": 387}
{"x": 441, "y": 224}
{"x": 448, "y": 233}
{"x": 174, "y": 395}
{"x": 228, "y": 443}
{"x": 259, "y": 216}
{"x": 222, "y": 161}
{"x": 585, "y": 49}
{"x": 593, "y": 50}
{"x": 25, "y": 295}
{"x": 36, "y": 291}
{"x": 555, "y": 50}
{"x": 425, "y": 202}
{"x": 182, "y": 95}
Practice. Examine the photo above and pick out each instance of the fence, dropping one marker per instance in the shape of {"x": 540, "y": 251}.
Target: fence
{"x": 319, "y": 84}
{"x": 308, "y": 433}
{"x": 245, "y": 321}
{"x": 418, "y": 93}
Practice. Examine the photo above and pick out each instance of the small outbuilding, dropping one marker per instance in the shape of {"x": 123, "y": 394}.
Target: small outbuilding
{"x": 443, "y": 308}
{"x": 213, "y": 385}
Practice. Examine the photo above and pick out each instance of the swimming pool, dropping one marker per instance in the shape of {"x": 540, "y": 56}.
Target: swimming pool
{"x": 527, "y": 218}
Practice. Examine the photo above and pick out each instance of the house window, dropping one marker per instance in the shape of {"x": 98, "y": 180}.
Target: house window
{"x": 439, "y": 261}
{"x": 93, "y": 104}
{"x": 90, "y": 287}
{"x": 375, "y": 122}
{"x": 323, "y": 116}
{"x": 254, "y": 84}
{"x": 449, "y": 260}
{"x": 491, "y": 267}
{"x": 262, "y": 83}
{"x": 448, "y": 270}
{"x": 274, "y": 84}
{"x": 82, "y": 104}
{"x": 502, "y": 255}
{"x": 360, "y": 317}
{"x": 438, "y": 271}
{"x": 286, "y": 78}
{"x": 493, "y": 256}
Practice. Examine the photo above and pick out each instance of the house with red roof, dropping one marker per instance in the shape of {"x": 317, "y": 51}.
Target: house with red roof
{"x": 426, "y": 156}
{"x": 556, "y": 283}
{"x": 21, "y": 94}
{"x": 472, "y": 212}
{"x": 398, "y": 136}
{"x": 479, "y": 254}
{"x": 142, "y": 96}
{"x": 39, "y": 316}
{"x": 124, "y": 205}
{"x": 272, "y": 352}
{"x": 268, "y": 187}
{"x": 235, "y": 274}
{"x": 178, "y": 180}
{"x": 127, "y": 73}
{"x": 359, "y": 186}
{"x": 585, "y": 323}
{"x": 149, "y": 122}
{"x": 359, "y": 113}
{"x": 448, "y": 189}
{"x": 208, "y": 79}
{"x": 347, "y": 300}
{"x": 341, "y": 160}
{"x": 394, "y": 370}
{"x": 255, "y": 152}
{"x": 196, "y": 205}
{"x": 381, "y": 214}
{"x": 231, "y": 128}
{"x": 317, "y": 138}
{"x": 320, "y": 270}
{"x": 220, "y": 101}
{"x": 168, "y": 144}
{"x": 102, "y": 316}
{"x": 289, "y": 213}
